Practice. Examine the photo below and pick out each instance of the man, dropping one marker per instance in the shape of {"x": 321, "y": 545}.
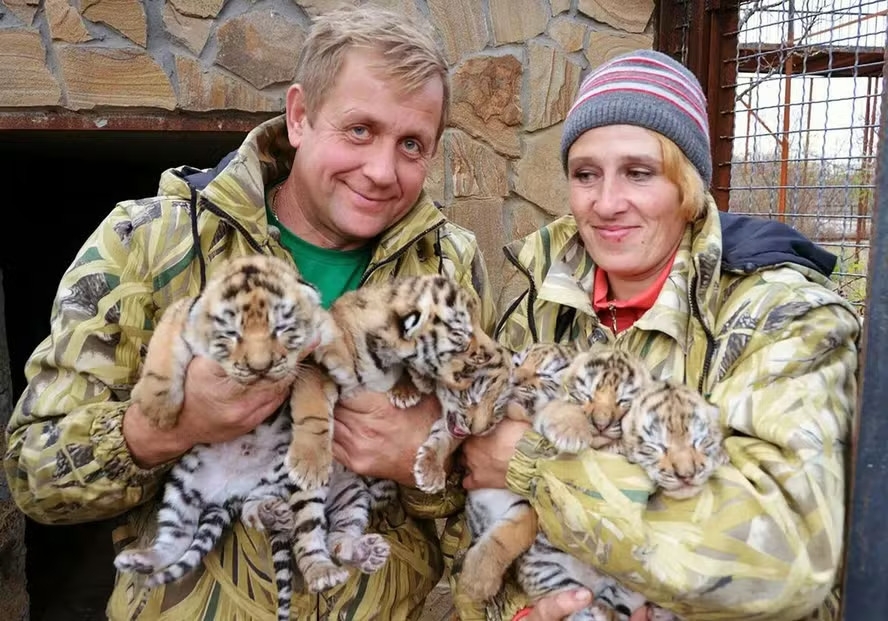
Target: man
{"x": 336, "y": 184}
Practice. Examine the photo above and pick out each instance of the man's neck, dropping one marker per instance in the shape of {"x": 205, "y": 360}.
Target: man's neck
{"x": 289, "y": 212}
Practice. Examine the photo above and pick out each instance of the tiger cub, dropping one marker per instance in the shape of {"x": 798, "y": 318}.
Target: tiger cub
{"x": 403, "y": 337}
{"x": 257, "y": 319}
{"x": 504, "y": 525}
{"x": 599, "y": 386}
{"x": 673, "y": 433}
{"x": 471, "y": 410}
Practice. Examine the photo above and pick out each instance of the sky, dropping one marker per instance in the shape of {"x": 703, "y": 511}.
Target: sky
{"x": 837, "y": 103}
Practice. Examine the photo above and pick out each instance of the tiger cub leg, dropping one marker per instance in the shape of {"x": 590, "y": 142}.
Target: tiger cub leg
{"x": 510, "y": 535}
{"x": 178, "y": 520}
{"x": 310, "y": 455}
{"x": 160, "y": 390}
{"x": 213, "y": 522}
{"x": 310, "y": 549}
{"x": 428, "y": 469}
{"x": 348, "y": 510}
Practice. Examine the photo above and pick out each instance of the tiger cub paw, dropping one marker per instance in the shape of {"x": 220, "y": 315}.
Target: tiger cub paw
{"x": 568, "y": 434}
{"x": 268, "y": 515}
{"x": 404, "y": 395}
{"x": 324, "y": 575}
{"x": 367, "y": 553}
{"x": 141, "y": 561}
{"x": 309, "y": 464}
{"x": 428, "y": 471}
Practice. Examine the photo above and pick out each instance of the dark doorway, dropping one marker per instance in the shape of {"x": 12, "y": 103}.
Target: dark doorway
{"x": 58, "y": 187}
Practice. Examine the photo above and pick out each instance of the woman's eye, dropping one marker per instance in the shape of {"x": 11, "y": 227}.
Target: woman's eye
{"x": 639, "y": 175}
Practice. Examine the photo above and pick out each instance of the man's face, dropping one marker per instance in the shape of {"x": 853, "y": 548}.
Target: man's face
{"x": 362, "y": 160}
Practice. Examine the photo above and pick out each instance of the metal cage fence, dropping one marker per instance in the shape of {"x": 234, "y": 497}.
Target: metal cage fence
{"x": 806, "y": 112}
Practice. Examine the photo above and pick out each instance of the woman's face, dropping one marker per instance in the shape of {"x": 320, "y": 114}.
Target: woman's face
{"x": 627, "y": 210}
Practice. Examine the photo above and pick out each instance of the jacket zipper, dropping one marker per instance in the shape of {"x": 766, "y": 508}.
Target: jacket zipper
{"x": 395, "y": 256}
{"x": 710, "y": 338}
{"x": 531, "y": 298}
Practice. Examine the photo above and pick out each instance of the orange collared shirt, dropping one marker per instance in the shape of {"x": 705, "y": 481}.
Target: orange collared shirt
{"x": 621, "y": 314}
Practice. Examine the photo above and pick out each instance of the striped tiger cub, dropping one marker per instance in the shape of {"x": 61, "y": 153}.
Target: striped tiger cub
{"x": 402, "y": 337}
{"x": 257, "y": 319}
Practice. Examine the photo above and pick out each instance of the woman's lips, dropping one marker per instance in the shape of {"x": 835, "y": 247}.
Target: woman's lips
{"x": 614, "y": 233}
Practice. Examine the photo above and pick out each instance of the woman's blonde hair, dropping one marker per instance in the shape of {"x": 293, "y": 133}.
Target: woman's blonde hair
{"x": 407, "y": 52}
{"x": 679, "y": 170}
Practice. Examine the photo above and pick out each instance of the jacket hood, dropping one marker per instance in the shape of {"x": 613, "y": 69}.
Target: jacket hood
{"x": 750, "y": 244}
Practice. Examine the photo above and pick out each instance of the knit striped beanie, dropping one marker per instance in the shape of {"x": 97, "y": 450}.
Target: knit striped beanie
{"x": 648, "y": 89}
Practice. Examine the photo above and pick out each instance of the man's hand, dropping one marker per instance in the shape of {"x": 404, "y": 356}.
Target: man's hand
{"x": 216, "y": 408}
{"x": 557, "y": 607}
{"x": 374, "y": 438}
{"x": 486, "y": 458}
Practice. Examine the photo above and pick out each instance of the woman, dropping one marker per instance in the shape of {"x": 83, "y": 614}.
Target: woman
{"x": 737, "y": 307}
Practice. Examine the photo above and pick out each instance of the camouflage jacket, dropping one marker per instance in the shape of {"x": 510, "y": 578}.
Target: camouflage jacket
{"x": 67, "y": 460}
{"x": 747, "y": 317}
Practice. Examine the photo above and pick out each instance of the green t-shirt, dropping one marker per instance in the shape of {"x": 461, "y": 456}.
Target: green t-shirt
{"x": 333, "y": 272}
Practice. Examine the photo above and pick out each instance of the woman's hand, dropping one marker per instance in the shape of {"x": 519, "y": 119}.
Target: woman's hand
{"x": 374, "y": 438}
{"x": 486, "y": 458}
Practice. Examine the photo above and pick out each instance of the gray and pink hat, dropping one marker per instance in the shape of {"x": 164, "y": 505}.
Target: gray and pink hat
{"x": 648, "y": 89}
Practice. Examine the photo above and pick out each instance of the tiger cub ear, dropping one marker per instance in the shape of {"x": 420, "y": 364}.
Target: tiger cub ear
{"x": 410, "y": 323}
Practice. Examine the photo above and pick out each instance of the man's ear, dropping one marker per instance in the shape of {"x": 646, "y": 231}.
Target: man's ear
{"x": 297, "y": 117}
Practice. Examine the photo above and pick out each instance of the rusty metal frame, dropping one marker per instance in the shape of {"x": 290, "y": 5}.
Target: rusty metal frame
{"x": 866, "y": 547}
{"x": 125, "y": 120}
{"x": 704, "y": 38}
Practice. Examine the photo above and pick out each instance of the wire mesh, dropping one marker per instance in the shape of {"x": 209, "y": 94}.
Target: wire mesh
{"x": 806, "y": 117}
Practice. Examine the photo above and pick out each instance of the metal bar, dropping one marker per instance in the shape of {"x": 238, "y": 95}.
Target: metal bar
{"x": 124, "y": 120}
{"x": 865, "y": 566}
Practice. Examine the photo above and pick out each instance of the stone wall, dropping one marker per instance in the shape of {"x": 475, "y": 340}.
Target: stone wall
{"x": 515, "y": 67}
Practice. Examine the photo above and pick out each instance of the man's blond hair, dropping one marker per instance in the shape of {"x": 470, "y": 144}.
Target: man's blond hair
{"x": 407, "y": 52}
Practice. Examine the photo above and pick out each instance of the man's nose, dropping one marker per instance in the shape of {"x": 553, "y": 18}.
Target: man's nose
{"x": 380, "y": 165}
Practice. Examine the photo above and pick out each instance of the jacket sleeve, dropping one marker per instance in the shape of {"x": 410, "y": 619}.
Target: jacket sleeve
{"x": 763, "y": 539}
{"x": 66, "y": 458}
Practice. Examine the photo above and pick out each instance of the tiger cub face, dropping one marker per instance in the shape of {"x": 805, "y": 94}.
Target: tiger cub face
{"x": 429, "y": 321}
{"x": 674, "y": 434}
{"x": 257, "y": 318}
{"x": 603, "y": 382}
{"x": 536, "y": 378}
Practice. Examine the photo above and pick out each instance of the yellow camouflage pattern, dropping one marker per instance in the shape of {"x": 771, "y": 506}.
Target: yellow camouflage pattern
{"x": 67, "y": 460}
{"x": 777, "y": 351}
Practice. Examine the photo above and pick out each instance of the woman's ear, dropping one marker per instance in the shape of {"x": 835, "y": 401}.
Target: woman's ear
{"x": 297, "y": 115}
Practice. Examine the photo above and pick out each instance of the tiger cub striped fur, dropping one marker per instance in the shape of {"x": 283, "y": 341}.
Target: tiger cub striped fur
{"x": 504, "y": 525}
{"x": 402, "y": 337}
{"x": 673, "y": 433}
{"x": 599, "y": 386}
{"x": 257, "y": 319}
{"x": 471, "y": 410}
